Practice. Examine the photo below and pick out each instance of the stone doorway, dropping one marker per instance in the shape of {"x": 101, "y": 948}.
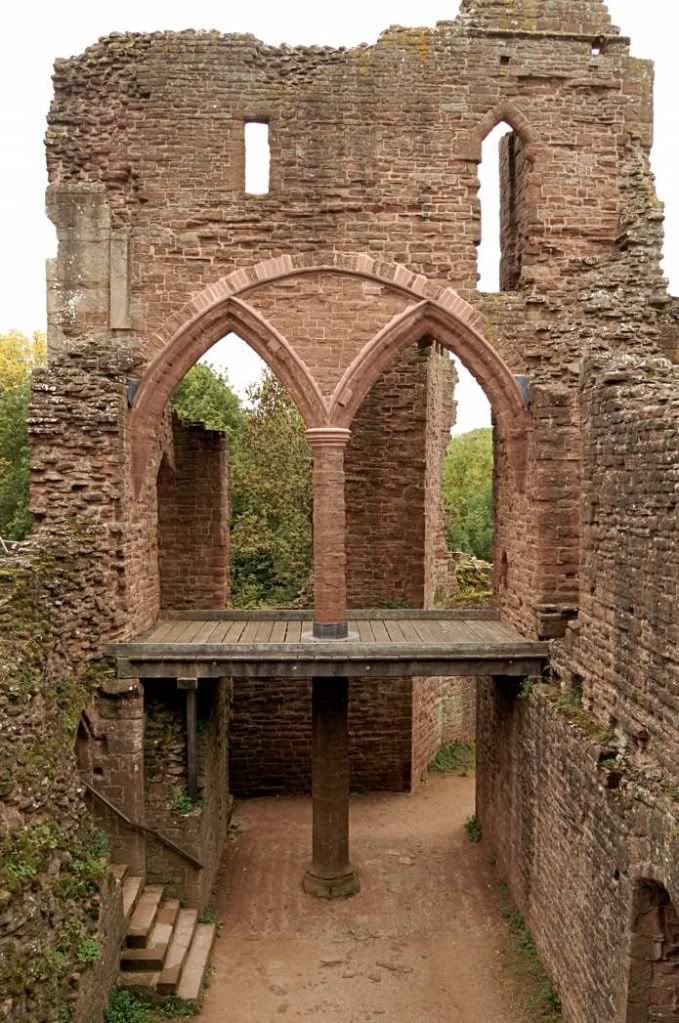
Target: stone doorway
{"x": 654, "y": 977}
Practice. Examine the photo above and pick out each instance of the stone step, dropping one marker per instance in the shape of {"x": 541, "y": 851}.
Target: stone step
{"x": 120, "y": 871}
{"x": 144, "y": 916}
{"x": 140, "y": 982}
{"x": 132, "y": 886}
{"x": 152, "y": 957}
{"x": 194, "y": 973}
{"x": 176, "y": 954}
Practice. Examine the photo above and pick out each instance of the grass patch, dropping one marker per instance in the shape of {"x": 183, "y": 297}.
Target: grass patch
{"x": 208, "y": 915}
{"x": 568, "y": 703}
{"x": 455, "y": 758}
{"x": 472, "y": 826}
{"x": 544, "y": 1004}
{"x": 125, "y": 1007}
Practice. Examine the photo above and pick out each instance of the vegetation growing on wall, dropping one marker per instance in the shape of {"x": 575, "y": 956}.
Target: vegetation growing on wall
{"x": 51, "y": 866}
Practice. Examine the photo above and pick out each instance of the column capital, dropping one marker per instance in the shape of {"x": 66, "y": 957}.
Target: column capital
{"x": 327, "y": 436}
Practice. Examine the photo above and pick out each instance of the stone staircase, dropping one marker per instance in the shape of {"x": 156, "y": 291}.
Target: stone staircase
{"x": 166, "y": 949}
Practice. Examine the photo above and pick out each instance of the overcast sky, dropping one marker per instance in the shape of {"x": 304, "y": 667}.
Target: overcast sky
{"x": 33, "y": 33}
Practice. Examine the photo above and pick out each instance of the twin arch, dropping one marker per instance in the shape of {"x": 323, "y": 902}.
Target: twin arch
{"x": 434, "y": 309}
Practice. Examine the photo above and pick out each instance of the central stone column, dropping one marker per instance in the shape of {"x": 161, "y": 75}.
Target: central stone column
{"x": 330, "y": 586}
{"x": 330, "y": 875}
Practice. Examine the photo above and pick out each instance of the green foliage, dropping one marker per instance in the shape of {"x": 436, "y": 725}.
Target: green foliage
{"x": 270, "y": 501}
{"x": 467, "y": 490}
{"x": 208, "y": 915}
{"x": 204, "y": 396}
{"x": 472, "y": 826}
{"x": 270, "y": 483}
{"x": 569, "y": 703}
{"x": 173, "y": 1008}
{"x": 545, "y": 1005}
{"x": 19, "y": 356}
{"x": 183, "y": 804}
{"x": 25, "y": 854}
{"x": 65, "y": 1014}
{"x": 88, "y": 952}
{"x": 455, "y": 758}
{"x": 83, "y": 875}
{"x": 526, "y": 688}
{"x": 124, "y": 1007}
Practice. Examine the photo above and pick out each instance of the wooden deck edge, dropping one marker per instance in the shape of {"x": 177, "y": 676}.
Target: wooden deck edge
{"x": 317, "y": 650}
{"x": 489, "y": 614}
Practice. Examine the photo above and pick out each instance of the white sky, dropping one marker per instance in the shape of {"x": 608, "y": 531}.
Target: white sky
{"x": 34, "y": 32}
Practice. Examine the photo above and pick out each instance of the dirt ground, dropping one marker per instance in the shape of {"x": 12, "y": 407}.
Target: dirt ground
{"x": 422, "y": 942}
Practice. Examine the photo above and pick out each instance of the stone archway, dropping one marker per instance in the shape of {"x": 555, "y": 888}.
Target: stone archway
{"x": 373, "y": 310}
{"x": 218, "y": 309}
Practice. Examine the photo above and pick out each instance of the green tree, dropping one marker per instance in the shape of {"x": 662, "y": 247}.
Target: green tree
{"x": 204, "y": 396}
{"x": 19, "y": 355}
{"x": 467, "y": 488}
{"x": 271, "y": 501}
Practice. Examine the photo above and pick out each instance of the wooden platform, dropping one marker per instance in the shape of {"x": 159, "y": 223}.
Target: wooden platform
{"x": 211, "y": 644}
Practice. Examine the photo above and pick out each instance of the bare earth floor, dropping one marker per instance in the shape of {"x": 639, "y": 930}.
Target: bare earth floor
{"x": 422, "y": 942}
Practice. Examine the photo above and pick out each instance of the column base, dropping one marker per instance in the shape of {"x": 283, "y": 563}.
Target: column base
{"x": 333, "y": 630}
{"x": 340, "y": 887}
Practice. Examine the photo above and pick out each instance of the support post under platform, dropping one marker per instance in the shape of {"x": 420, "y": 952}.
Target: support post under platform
{"x": 190, "y": 686}
{"x": 330, "y": 874}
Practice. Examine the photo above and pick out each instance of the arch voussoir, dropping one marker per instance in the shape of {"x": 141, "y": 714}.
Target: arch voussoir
{"x": 189, "y": 342}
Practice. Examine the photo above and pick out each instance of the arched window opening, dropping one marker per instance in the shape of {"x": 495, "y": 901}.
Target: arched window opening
{"x": 234, "y": 488}
{"x": 502, "y": 177}
{"x": 653, "y": 995}
{"x": 467, "y": 489}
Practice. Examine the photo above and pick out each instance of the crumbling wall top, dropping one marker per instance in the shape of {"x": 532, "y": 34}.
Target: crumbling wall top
{"x": 576, "y": 17}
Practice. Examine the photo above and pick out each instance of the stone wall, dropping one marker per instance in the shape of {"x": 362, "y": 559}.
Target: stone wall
{"x": 270, "y": 736}
{"x": 201, "y": 828}
{"x": 577, "y": 782}
{"x": 193, "y": 520}
{"x": 56, "y": 889}
{"x": 587, "y": 220}
{"x": 396, "y": 725}
{"x": 573, "y": 835}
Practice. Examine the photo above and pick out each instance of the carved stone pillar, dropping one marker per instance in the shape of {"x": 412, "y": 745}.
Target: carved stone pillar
{"x": 330, "y": 590}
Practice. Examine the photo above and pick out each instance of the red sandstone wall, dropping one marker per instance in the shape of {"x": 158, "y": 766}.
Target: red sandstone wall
{"x": 577, "y": 783}
{"x": 405, "y": 192}
{"x": 270, "y": 735}
{"x": 203, "y": 829}
{"x": 386, "y": 461}
{"x": 625, "y": 646}
{"x": 193, "y": 520}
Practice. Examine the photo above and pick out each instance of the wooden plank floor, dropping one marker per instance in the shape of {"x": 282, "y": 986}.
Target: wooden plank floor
{"x": 275, "y": 643}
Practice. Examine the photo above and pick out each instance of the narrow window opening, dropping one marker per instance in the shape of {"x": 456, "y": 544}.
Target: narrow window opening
{"x": 597, "y": 47}
{"x": 505, "y": 58}
{"x": 494, "y": 209}
{"x": 257, "y": 158}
